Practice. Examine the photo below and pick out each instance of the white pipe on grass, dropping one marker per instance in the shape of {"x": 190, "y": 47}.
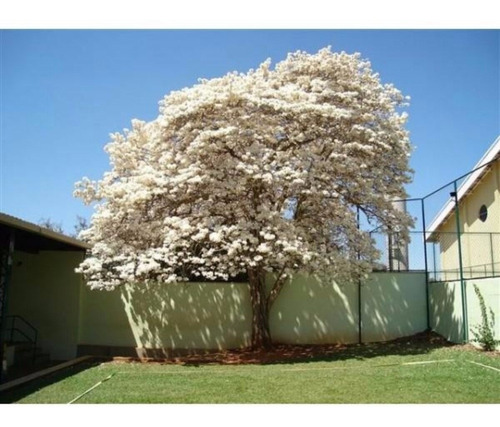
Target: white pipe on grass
{"x": 484, "y": 366}
{"x": 90, "y": 389}
{"x": 424, "y": 362}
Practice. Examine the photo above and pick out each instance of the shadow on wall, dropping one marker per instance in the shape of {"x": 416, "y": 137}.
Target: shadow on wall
{"x": 446, "y": 310}
{"x": 152, "y": 320}
{"x": 315, "y": 310}
{"x": 196, "y": 316}
{"x": 393, "y": 305}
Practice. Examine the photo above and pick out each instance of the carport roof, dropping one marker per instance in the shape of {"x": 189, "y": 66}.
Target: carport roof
{"x": 30, "y": 237}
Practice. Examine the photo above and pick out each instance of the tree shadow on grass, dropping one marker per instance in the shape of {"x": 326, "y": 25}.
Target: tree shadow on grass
{"x": 19, "y": 392}
{"x": 418, "y": 344}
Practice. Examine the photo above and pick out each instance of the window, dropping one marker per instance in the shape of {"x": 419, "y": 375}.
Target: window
{"x": 483, "y": 213}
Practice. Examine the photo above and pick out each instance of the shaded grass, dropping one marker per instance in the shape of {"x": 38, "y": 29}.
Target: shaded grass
{"x": 356, "y": 375}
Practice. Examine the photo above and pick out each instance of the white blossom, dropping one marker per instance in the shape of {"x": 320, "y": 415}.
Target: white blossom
{"x": 258, "y": 170}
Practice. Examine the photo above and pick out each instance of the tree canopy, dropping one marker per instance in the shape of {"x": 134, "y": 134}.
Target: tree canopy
{"x": 253, "y": 173}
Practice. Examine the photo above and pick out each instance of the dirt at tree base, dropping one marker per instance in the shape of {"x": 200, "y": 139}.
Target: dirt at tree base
{"x": 284, "y": 353}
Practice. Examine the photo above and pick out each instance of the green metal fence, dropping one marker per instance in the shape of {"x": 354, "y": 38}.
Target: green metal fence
{"x": 480, "y": 253}
{"x": 454, "y": 237}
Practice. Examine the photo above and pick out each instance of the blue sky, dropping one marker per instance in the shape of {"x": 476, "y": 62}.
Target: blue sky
{"x": 63, "y": 92}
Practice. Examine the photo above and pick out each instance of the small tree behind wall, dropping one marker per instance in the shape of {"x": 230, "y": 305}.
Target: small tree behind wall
{"x": 253, "y": 173}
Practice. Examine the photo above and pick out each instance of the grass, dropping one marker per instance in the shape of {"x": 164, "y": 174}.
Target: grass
{"x": 358, "y": 374}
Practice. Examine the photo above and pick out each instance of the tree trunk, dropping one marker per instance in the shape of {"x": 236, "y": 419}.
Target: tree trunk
{"x": 261, "y": 336}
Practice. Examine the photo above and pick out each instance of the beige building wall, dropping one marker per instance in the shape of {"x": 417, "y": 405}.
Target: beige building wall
{"x": 45, "y": 290}
{"x": 480, "y": 249}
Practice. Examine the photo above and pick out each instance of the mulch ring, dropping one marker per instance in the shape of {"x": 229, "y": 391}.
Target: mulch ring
{"x": 280, "y": 353}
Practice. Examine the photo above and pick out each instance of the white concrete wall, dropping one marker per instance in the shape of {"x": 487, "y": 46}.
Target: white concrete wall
{"x": 314, "y": 310}
{"x": 394, "y": 305}
{"x": 490, "y": 290}
{"x": 446, "y": 306}
{"x": 310, "y": 310}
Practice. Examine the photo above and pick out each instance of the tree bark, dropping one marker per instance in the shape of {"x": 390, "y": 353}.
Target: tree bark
{"x": 261, "y": 336}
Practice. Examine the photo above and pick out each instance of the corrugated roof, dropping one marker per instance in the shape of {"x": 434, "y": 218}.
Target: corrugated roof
{"x": 491, "y": 155}
{"x": 21, "y": 224}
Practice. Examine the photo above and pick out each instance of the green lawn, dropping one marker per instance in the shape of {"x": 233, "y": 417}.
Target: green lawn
{"x": 356, "y": 375}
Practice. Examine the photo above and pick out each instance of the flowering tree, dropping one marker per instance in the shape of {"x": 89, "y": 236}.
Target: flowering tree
{"x": 253, "y": 173}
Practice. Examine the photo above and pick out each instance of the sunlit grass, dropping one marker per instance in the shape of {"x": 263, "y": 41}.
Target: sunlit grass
{"x": 354, "y": 376}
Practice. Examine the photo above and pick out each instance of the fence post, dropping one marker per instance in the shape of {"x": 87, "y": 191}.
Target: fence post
{"x": 359, "y": 285}
{"x": 462, "y": 280}
{"x": 422, "y": 203}
{"x": 389, "y": 250}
